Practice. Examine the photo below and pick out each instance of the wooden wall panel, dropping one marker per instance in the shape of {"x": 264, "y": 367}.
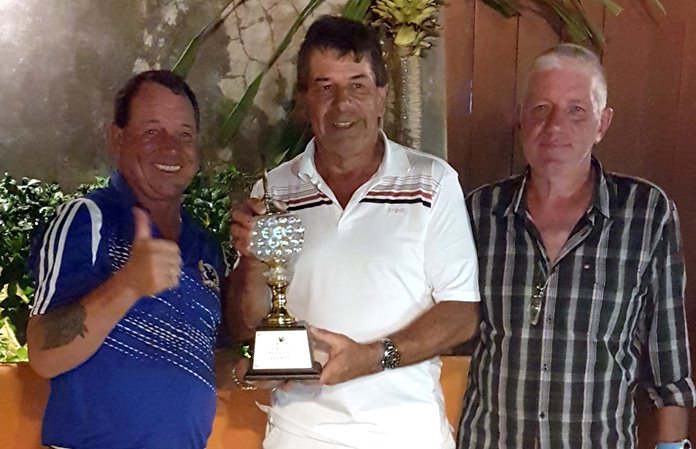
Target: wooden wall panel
{"x": 684, "y": 155}
{"x": 644, "y": 91}
{"x": 494, "y": 84}
{"x": 458, "y": 23}
{"x": 650, "y": 62}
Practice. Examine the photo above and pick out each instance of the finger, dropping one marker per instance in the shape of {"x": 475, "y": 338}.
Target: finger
{"x": 327, "y": 374}
{"x": 241, "y": 368}
{"x": 242, "y": 218}
{"x": 141, "y": 221}
{"x": 239, "y": 237}
{"x": 281, "y": 206}
{"x": 164, "y": 252}
{"x": 324, "y": 336}
{"x": 239, "y": 233}
{"x": 256, "y": 206}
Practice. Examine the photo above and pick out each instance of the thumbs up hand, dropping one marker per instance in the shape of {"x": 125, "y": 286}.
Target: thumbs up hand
{"x": 154, "y": 265}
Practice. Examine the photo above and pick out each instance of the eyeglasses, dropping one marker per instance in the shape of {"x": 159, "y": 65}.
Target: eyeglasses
{"x": 540, "y": 282}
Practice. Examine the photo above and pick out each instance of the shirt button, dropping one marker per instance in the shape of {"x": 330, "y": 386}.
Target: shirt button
{"x": 549, "y": 319}
{"x": 546, "y": 367}
{"x": 542, "y": 415}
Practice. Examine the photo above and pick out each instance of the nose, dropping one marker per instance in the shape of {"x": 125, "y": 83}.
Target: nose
{"x": 554, "y": 119}
{"x": 170, "y": 142}
{"x": 342, "y": 97}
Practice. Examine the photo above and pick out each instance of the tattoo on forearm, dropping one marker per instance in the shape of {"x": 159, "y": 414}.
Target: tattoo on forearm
{"x": 63, "y": 324}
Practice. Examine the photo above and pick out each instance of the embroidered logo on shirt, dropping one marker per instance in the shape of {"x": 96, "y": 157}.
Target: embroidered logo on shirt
{"x": 209, "y": 275}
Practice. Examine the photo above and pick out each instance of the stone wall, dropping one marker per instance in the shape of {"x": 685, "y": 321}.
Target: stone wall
{"x": 62, "y": 63}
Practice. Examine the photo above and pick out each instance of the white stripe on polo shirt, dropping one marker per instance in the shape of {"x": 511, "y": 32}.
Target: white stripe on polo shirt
{"x": 401, "y": 244}
{"x": 53, "y": 247}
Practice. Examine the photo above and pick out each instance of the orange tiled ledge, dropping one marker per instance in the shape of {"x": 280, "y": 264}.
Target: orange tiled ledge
{"x": 238, "y": 422}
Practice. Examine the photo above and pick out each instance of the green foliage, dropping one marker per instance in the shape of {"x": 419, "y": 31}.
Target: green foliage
{"x": 292, "y": 136}
{"x": 356, "y": 9}
{"x": 210, "y": 197}
{"x": 235, "y": 118}
{"x": 188, "y": 57}
{"x": 412, "y": 24}
{"x": 568, "y": 17}
{"x": 24, "y": 205}
{"x": 27, "y": 204}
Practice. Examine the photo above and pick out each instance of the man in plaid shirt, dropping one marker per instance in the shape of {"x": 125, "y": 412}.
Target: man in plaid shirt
{"x": 580, "y": 271}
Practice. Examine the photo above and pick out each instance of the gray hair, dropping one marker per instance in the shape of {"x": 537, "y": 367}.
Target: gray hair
{"x": 554, "y": 58}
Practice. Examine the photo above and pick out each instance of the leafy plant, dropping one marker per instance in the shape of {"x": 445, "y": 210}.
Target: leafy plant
{"x": 235, "y": 117}
{"x": 293, "y": 134}
{"x": 356, "y": 9}
{"x": 412, "y": 24}
{"x": 27, "y": 204}
{"x": 188, "y": 57}
{"x": 210, "y": 197}
{"x": 564, "y": 16}
{"x": 24, "y": 205}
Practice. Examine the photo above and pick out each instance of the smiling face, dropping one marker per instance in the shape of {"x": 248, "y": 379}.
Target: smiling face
{"x": 342, "y": 102}
{"x": 561, "y": 117}
{"x": 156, "y": 151}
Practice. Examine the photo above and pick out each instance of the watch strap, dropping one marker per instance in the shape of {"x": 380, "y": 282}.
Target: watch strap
{"x": 684, "y": 444}
{"x": 390, "y": 357}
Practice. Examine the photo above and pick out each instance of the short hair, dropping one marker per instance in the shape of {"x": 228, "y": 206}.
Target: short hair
{"x": 165, "y": 78}
{"x": 345, "y": 36}
{"x": 553, "y": 58}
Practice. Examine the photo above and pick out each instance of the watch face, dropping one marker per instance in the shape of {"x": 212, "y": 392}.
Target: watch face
{"x": 391, "y": 356}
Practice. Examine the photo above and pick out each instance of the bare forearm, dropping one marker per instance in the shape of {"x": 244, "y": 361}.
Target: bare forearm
{"x": 248, "y": 300}
{"x": 67, "y": 336}
{"x": 445, "y": 325}
{"x": 672, "y": 424}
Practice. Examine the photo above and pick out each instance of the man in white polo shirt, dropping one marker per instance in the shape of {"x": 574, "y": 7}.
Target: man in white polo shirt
{"x": 387, "y": 276}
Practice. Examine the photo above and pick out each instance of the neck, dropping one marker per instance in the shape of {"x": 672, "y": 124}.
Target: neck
{"x": 166, "y": 215}
{"x": 575, "y": 189}
{"x": 561, "y": 183}
{"x": 331, "y": 164}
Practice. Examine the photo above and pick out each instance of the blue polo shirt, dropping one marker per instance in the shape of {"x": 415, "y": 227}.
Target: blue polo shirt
{"x": 151, "y": 383}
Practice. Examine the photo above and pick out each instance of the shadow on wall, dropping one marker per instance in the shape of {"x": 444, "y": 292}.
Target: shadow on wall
{"x": 64, "y": 62}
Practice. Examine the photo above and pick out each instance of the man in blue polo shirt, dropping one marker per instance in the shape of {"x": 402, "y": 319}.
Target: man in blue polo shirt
{"x": 127, "y": 303}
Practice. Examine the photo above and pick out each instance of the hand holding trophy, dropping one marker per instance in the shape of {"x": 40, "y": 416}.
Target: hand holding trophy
{"x": 281, "y": 348}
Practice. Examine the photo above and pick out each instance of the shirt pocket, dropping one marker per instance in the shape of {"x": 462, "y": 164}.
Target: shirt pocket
{"x": 610, "y": 313}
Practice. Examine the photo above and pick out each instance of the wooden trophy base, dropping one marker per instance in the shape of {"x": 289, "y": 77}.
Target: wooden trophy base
{"x": 283, "y": 353}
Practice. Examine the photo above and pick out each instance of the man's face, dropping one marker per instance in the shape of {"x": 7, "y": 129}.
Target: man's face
{"x": 156, "y": 151}
{"x": 342, "y": 102}
{"x": 560, "y": 119}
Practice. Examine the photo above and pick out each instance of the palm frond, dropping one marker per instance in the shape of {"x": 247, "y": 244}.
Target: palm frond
{"x": 188, "y": 57}
{"x": 569, "y": 14}
{"x": 356, "y": 9}
{"x": 235, "y": 118}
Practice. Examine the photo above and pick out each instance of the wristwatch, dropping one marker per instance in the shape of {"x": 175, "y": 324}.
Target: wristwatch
{"x": 684, "y": 444}
{"x": 391, "y": 356}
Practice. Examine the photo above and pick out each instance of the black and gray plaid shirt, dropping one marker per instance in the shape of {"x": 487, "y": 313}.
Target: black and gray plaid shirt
{"x": 617, "y": 287}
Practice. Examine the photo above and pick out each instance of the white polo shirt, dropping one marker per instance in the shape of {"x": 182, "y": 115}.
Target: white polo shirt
{"x": 402, "y": 244}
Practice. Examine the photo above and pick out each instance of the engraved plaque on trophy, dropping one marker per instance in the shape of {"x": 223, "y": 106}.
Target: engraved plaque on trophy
{"x": 281, "y": 347}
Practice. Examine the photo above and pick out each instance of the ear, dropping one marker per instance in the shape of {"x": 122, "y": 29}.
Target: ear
{"x": 115, "y": 140}
{"x": 604, "y": 122}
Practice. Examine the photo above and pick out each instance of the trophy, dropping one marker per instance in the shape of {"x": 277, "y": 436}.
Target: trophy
{"x": 281, "y": 347}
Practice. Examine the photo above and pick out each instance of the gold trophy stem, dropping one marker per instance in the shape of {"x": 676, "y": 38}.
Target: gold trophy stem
{"x": 279, "y": 315}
